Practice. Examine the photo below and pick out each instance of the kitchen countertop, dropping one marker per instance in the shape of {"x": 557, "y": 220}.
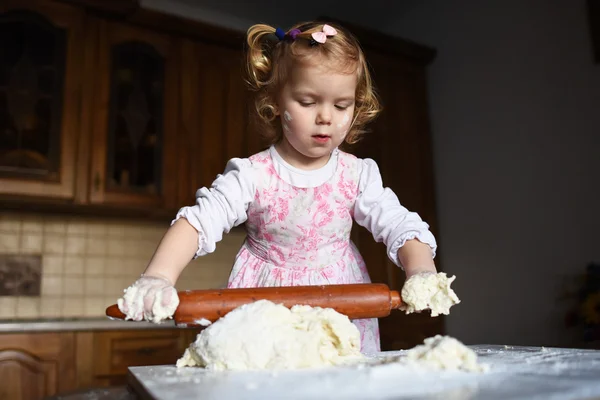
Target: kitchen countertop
{"x": 76, "y": 324}
{"x": 530, "y": 373}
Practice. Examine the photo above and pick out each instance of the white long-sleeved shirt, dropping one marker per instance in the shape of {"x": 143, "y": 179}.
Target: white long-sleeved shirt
{"x": 377, "y": 208}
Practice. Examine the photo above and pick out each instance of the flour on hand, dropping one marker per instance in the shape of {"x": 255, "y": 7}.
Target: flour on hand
{"x": 265, "y": 335}
{"x": 149, "y": 298}
{"x": 444, "y": 352}
{"x": 429, "y": 291}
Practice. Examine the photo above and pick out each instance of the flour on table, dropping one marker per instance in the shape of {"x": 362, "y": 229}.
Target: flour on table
{"x": 265, "y": 335}
{"x": 429, "y": 291}
{"x": 444, "y": 352}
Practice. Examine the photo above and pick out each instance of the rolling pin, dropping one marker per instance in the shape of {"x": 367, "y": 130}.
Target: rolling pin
{"x": 362, "y": 300}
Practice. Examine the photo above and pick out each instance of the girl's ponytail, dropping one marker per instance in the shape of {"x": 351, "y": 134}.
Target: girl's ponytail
{"x": 259, "y": 56}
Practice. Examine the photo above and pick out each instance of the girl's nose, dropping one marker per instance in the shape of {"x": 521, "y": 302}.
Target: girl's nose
{"x": 324, "y": 116}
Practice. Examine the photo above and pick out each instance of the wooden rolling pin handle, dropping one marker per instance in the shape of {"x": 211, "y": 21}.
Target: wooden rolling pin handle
{"x": 395, "y": 300}
{"x": 114, "y": 312}
{"x": 356, "y": 301}
{"x": 353, "y": 300}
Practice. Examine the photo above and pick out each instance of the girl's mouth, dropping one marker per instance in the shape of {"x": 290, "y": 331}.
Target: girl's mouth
{"x": 321, "y": 138}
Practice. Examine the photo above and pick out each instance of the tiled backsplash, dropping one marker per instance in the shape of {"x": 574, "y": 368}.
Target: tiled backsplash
{"x": 87, "y": 262}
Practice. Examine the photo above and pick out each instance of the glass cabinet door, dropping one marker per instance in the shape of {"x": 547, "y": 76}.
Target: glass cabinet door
{"x": 39, "y": 88}
{"x": 132, "y": 153}
{"x": 135, "y": 119}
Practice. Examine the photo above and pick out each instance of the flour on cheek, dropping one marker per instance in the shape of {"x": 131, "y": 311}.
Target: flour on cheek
{"x": 287, "y": 117}
{"x": 344, "y": 121}
{"x": 343, "y": 124}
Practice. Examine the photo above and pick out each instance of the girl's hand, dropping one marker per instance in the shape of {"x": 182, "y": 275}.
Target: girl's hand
{"x": 152, "y": 298}
{"x": 416, "y": 257}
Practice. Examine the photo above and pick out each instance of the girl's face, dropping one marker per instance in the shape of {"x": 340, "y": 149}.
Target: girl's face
{"x": 316, "y": 107}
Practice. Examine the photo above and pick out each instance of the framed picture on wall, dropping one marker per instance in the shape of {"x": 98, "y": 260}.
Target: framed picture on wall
{"x": 593, "y": 8}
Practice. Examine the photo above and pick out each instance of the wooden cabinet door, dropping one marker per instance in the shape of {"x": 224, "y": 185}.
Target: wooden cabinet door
{"x": 33, "y": 366}
{"x": 400, "y": 143}
{"x": 214, "y": 114}
{"x": 133, "y": 107}
{"x": 40, "y": 62}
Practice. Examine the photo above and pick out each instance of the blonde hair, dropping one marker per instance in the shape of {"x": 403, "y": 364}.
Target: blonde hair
{"x": 269, "y": 60}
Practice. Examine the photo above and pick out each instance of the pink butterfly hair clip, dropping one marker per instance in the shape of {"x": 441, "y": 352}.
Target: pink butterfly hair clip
{"x": 321, "y": 37}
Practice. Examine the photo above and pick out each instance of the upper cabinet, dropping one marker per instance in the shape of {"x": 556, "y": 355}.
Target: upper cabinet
{"x": 214, "y": 113}
{"x": 126, "y": 112}
{"x": 134, "y": 128}
{"x": 40, "y": 82}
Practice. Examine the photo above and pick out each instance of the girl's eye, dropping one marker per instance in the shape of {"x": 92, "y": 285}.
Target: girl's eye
{"x": 306, "y": 103}
{"x": 341, "y": 107}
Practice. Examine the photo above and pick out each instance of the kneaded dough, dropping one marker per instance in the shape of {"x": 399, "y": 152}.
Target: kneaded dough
{"x": 445, "y": 352}
{"x": 265, "y": 335}
{"x": 429, "y": 291}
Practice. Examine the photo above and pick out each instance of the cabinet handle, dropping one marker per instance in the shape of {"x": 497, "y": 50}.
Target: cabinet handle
{"x": 146, "y": 351}
{"x": 97, "y": 181}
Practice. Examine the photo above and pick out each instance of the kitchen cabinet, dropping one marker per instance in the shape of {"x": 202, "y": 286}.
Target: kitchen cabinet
{"x": 214, "y": 113}
{"x": 152, "y": 108}
{"x": 40, "y": 84}
{"x": 36, "y": 365}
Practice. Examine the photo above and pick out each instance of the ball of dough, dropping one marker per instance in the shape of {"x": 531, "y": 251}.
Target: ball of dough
{"x": 265, "y": 335}
{"x": 445, "y": 352}
{"x": 429, "y": 291}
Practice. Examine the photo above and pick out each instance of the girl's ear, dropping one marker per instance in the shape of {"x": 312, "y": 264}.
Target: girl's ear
{"x": 275, "y": 102}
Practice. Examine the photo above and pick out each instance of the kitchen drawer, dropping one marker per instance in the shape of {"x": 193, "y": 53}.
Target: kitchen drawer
{"x": 117, "y": 350}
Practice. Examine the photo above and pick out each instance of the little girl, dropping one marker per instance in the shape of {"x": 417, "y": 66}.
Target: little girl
{"x": 298, "y": 198}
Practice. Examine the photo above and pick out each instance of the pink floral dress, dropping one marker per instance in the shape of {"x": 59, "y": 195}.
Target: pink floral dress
{"x": 300, "y": 234}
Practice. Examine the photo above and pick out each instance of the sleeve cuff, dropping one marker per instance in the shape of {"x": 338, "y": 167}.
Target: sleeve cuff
{"x": 423, "y": 237}
{"x": 183, "y": 213}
